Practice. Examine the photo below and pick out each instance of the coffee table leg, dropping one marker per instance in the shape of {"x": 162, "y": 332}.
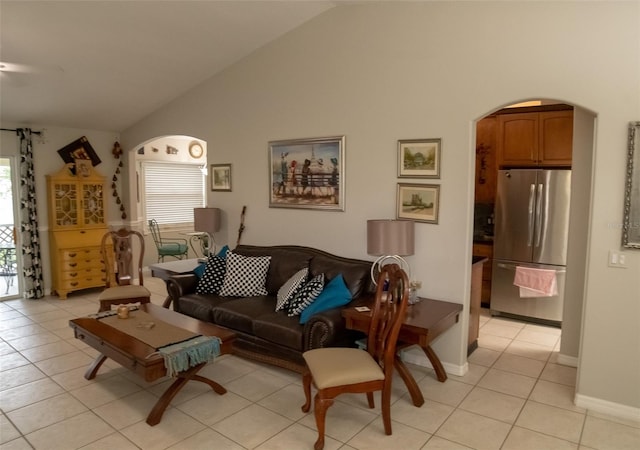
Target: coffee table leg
{"x": 156, "y": 413}
{"x": 91, "y": 372}
{"x": 410, "y": 382}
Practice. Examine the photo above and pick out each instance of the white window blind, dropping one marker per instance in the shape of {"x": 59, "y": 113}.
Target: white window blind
{"x": 171, "y": 191}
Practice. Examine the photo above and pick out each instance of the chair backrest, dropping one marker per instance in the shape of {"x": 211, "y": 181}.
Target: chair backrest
{"x": 389, "y": 309}
{"x": 117, "y": 254}
{"x": 155, "y": 232}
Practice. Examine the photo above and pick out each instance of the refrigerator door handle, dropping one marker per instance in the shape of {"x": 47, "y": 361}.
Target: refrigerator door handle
{"x": 538, "y": 221}
{"x": 514, "y": 266}
{"x": 532, "y": 196}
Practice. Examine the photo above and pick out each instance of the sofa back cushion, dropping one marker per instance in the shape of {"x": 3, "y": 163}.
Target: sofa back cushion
{"x": 356, "y": 273}
{"x": 288, "y": 259}
{"x": 285, "y": 261}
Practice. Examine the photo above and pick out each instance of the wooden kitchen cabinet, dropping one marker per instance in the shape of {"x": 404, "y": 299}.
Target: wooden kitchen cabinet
{"x": 485, "y": 250}
{"x": 537, "y": 139}
{"x": 474, "y": 305}
{"x": 77, "y": 222}
{"x": 486, "y": 170}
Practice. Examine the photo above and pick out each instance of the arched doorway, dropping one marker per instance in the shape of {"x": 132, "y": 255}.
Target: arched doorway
{"x": 581, "y": 169}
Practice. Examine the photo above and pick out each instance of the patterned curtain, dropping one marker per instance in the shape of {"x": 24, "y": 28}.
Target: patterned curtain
{"x": 31, "y": 261}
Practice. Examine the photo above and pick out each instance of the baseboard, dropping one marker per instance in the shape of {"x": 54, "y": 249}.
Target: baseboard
{"x": 415, "y": 355}
{"x": 567, "y": 360}
{"x": 609, "y": 408}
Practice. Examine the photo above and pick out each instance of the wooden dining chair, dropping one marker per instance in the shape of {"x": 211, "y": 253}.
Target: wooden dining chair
{"x": 121, "y": 268}
{"x": 336, "y": 370}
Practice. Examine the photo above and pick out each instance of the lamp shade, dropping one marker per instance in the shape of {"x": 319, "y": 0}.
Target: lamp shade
{"x": 390, "y": 237}
{"x": 206, "y": 219}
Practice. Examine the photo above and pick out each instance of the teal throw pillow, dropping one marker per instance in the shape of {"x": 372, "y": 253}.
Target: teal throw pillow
{"x": 223, "y": 252}
{"x": 334, "y": 294}
{"x": 199, "y": 271}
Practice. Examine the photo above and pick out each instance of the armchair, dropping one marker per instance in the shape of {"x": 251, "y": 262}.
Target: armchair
{"x": 177, "y": 248}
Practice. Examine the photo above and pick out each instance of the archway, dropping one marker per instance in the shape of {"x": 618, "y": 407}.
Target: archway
{"x": 584, "y": 122}
{"x": 179, "y": 155}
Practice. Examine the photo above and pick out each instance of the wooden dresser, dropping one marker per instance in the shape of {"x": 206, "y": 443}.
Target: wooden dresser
{"x": 77, "y": 222}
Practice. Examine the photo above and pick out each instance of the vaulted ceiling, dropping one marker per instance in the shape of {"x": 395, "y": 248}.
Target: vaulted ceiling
{"x": 105, "y": 65}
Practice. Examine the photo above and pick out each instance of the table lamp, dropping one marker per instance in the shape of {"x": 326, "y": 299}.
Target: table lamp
{"x": 207, "y": 220}
{"x": 390, "y": 240}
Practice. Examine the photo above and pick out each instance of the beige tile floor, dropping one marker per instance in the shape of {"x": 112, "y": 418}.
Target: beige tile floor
{"x": 515, "y": 396}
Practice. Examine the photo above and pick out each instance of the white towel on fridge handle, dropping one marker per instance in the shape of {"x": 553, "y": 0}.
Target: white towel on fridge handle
{"x": 536, "y": 282}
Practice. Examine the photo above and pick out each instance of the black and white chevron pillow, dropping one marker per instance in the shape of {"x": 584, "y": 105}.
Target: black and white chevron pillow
{"x": 305, "y": 296}
{"x": 290, "y": 287}
{"x": 246, "y": 276}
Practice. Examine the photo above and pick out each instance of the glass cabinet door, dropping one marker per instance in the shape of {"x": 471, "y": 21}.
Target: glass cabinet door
{"x": 66, "y": 204}
{"x": 92, "y": 204}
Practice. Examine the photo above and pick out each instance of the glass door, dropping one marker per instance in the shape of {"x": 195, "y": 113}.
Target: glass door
{"x": 10, "y": 258}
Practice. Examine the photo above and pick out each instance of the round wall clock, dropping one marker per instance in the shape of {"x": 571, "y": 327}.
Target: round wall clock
{"x": 195, "y": 150}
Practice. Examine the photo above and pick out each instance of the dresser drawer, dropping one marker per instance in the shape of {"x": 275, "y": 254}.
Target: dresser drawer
{"x": 81, "y": 283}
{"x": 83, "y": 274}
{"x": 81, "y": 254}
{"x": 77, "y": 265}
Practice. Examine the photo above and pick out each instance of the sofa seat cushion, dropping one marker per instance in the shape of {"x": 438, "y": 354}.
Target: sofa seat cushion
{"x": 239, "y": 313}
{"x": 280, "y": 329}
{"x": 201, "y": 306}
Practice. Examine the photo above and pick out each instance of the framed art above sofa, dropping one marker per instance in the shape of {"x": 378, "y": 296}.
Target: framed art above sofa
{"x": 307, "y": 173}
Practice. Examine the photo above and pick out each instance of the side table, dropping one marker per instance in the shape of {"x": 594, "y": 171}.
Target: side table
{"x": 168, "y": 269}
{"x": 425, "y": 321}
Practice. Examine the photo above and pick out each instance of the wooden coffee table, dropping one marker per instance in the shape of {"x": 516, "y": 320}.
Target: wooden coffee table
{"x": 132, "y": 353}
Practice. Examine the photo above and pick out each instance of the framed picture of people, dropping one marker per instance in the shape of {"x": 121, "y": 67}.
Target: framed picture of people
{"x": 307, "y": 173}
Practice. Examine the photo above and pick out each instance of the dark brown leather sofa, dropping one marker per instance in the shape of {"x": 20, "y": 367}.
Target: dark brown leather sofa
{"x": 264, "y": 334}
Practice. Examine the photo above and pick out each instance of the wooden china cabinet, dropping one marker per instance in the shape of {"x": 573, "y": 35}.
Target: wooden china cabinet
{"x": 77, "y": 222}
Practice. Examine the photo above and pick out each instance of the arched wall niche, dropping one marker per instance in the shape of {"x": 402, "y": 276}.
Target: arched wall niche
{"x": 169, "y": 148}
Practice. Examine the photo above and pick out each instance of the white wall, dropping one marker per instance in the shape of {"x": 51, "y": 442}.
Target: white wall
{"x": 382, "y": 72}
{"x": 47, "y": 160}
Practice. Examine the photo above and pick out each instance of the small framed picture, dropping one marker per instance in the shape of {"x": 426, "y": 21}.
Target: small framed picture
{"x": 221, "y": 177}
{"x": 419, "y": 158}
{"x": 83, "y": 167}
{"x": 419, "y": 202}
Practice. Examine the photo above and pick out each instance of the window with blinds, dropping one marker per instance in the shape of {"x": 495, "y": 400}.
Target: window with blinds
{"x": 171, "y": 191}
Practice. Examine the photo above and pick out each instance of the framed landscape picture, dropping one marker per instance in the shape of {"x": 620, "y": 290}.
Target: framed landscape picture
{"x": 221, "y": 177}
{"x": 419, "y": 158}
{"x": 307, "y": 173}
{"x": 419, "y": 202}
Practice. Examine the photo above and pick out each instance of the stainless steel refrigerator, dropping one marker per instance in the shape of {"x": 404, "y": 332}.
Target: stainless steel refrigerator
{"x": 531, "y": 231}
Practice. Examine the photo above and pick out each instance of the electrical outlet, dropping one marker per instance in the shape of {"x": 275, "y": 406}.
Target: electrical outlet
{"x": 617, "y": 260}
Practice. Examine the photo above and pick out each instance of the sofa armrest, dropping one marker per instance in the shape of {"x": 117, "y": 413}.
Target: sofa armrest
{"x": 324, "y": 329}
{"x": 181, "y": 285}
